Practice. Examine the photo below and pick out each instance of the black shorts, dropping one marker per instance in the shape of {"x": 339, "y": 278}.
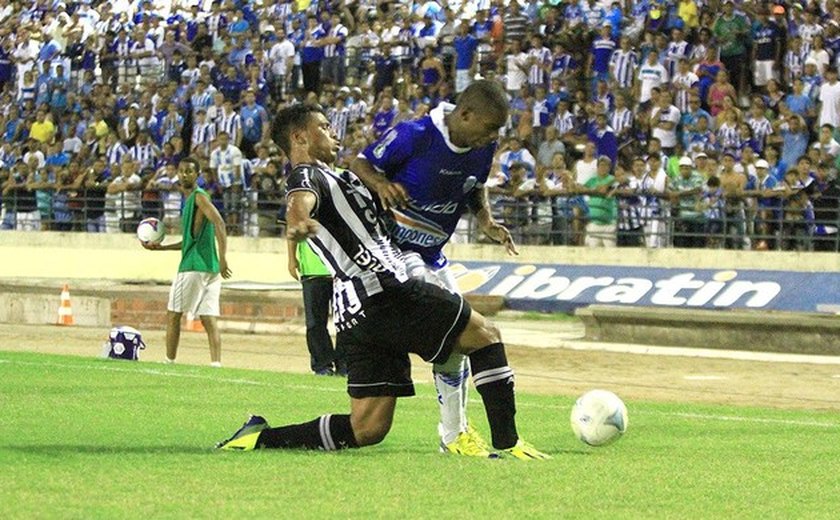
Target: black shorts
{"x": 414, "y": 317}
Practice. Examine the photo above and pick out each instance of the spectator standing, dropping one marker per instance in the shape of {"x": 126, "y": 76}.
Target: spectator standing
{"x": 311, "y": 55}
{"x": 829, "y": 98}
{"x": 334, "y": 51}
{"x": 601, "y": 228}
{"x": 766, "y": 49}
{"x": 664, "y": 119}
{"x": 255, "y": 124}
{"x": 226, "y": 161}
{"x": 465, "y": 52}
{"x": 317, "y": 283}
{"x": 732, "y": 31}
{"x": 123, "y": 198}
{"x": 651, "y": 75}
{"x": 685, "y": 190}
{"x": 515, "y": 24}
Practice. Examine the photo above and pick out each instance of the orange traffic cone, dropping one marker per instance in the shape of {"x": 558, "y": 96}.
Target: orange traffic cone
{"x": 65, "y": 311}
{"x": 192, "y": 324}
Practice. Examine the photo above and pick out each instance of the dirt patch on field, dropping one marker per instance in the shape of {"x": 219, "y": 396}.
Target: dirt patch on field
{"x": 540, "y": 370}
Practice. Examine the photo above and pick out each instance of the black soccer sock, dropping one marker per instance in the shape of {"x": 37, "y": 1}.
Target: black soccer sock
{"x": 328, "y": 432}
{"x": 494, "y": 381}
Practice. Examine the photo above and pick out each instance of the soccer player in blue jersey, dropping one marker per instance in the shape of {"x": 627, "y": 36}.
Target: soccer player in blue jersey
{"x": 427, "y": 172}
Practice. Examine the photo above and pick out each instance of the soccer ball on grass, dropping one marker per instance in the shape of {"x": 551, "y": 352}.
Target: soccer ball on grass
{"x": 599, "y": 417}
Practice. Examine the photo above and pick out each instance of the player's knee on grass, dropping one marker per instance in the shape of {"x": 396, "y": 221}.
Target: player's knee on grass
{"x": 371, "y": 419}
{"x": 369, "y": 432}
{"x": 479, "y": 333}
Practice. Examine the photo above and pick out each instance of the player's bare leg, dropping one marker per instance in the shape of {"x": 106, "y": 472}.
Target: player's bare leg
{"x": 494, "y": 380}
{"x": 173, "y": 335}
{"x": 211, "y": 325}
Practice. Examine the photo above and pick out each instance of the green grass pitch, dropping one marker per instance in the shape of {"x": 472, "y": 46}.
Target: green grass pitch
{"x": 87, "y": 438}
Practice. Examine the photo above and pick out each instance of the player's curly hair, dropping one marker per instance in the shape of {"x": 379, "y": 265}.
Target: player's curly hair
{"x": 290, "y": 119}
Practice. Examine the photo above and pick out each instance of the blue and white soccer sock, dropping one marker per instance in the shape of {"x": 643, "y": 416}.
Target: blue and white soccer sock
{"x": 451, "y": 384}
{"x": 494, "y": 381}
{"x": 328, "y": 432}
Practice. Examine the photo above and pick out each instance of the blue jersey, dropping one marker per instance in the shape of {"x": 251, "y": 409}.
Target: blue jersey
{"x": 253, "y": 119}
{"x": 438, "y": 176}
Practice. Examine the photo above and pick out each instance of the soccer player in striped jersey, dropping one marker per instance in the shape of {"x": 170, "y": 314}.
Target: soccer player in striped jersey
{"x": 428, "y": 172}
{"x": 382, "y": 314}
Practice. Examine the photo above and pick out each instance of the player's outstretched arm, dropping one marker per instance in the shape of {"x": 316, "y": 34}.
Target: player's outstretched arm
{"x": 392, "y": 194}
{"x": 212, "y": 214}
{"x": 299, "y": 222}
{"x": 480, "y": 207}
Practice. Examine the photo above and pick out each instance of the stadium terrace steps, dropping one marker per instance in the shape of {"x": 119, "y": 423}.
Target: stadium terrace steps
{"x": 763, "y": 331}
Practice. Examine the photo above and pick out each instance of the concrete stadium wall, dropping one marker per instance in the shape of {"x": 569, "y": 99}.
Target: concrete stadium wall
{"x": 120, "y": 257}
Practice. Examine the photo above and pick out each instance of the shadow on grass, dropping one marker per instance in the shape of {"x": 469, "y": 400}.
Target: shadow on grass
{"x": 86, "y": 449}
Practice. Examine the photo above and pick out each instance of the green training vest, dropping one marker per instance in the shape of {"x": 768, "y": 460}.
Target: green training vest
{"x": 309, "y": 263}
{"x": 198, "y": 253}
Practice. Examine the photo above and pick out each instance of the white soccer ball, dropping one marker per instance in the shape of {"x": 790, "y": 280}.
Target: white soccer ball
{"x": 151, "y": 231}
{"x": 599, "y": 417}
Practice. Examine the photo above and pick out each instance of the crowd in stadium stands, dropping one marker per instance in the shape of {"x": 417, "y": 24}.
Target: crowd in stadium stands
{"x": 692, "y": 123}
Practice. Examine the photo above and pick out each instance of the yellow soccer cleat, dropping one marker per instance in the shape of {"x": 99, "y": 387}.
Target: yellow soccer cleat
{"x": 466, "y": 445}
{"x": 524, "y": 451}
{"x": 477, "y": 438}
{"x": 245, "y": 438}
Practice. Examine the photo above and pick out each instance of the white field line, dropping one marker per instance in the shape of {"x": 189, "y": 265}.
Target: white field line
{"x": 239, "y": 381}
{"x": 697, "y": 416}
{"x": 166, "y": 373}
{"x": 738, "y": 355}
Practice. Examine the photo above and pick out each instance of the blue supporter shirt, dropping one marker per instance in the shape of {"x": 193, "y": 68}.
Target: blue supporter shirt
{"x": 312, "y": 54}
{"x": 439, "y": 177}
{"x": 602, "y": 49}
{"x": 252, "y": 122}
{"x": 464, "y": 51}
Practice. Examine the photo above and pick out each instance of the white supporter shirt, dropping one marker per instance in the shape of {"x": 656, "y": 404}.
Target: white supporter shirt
{"x": 279, "y": 54}
{"x": 671, "y": 114}
{"x": 651, "y": 76}
{"x": 126, "y": 203}
{"x": 516, "y": 77}
{"x": 830, "y": 104}
{"x": 228, "y": 164}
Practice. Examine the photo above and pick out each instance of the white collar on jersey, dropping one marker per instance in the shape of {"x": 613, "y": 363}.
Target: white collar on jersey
{"x": 437, "y": 114}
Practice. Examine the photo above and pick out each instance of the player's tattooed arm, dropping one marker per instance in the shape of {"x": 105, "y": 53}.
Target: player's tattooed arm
{"x": 391, "y": 194}
{"x": 479, "y": 205}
